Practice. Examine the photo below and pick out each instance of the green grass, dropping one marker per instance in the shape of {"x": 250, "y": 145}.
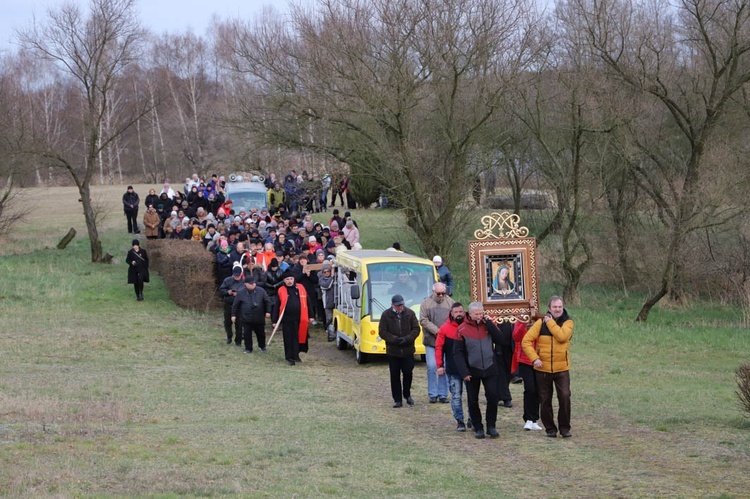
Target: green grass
{"x": 103, "y": 395}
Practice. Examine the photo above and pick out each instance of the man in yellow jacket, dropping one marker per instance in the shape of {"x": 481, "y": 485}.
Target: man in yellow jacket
{"x": 551, "y": 335}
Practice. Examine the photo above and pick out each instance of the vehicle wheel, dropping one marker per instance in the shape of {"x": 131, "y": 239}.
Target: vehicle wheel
{"x": 341, "y": 343}
{"x": 361, "y": 357}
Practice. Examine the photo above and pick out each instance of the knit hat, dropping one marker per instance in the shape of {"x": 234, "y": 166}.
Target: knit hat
{"x": 274, "y": 262}
{"x": 136, "y": 242}
{"x": 250, "y": 279}
{"x": 237, "y": 270}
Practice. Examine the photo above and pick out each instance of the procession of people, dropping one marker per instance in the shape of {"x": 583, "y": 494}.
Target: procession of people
{"x": 275, "y": 270}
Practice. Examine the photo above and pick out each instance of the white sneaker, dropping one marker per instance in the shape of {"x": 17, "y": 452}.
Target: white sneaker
{"x": 534, "y": 426}
{"x": 527, "y": 426}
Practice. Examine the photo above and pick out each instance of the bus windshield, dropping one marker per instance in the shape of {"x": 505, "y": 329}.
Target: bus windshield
{"x": 411, "y": 280}
{"x": 244, "y": 200}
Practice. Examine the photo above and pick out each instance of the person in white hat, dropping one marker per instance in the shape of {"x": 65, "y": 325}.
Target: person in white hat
{"x": 444, "y": 275}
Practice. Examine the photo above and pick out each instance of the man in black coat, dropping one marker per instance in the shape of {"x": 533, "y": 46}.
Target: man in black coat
{"x": 474, "y": 355}
{"x": 253, "y": 306}
{"x": 130, "y": 202}
{"x": 399, "y": 329}
{"x": 137, "y": 260}
{"x": 228, "y": 290}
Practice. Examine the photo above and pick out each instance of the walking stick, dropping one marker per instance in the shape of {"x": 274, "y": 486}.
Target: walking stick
{"x": 278, "y": 322}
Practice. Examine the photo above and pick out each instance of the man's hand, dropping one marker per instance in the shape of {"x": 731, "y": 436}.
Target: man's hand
{"x": 547, "y": 317}
{"x": 268, "y": 316}
{"x": 401, "y": 341}
{"x": 441, "y": 371}
{"x": 234, "y": 319}
{"x": 538, "y": 363}
{"x": 468, "y": 378}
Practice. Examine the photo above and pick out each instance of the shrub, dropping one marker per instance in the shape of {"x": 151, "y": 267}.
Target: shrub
{"x": 743, "y": 387}
{"x": 188, "y": 272}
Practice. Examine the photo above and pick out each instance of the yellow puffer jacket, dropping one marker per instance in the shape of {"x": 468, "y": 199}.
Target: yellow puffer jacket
{"x": 553, "y": 341}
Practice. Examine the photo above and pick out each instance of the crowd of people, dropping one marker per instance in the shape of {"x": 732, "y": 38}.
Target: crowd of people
{"x": 276, "y": 263}
{"x": 257, "y": 252}
{"x": 467, "y": 349}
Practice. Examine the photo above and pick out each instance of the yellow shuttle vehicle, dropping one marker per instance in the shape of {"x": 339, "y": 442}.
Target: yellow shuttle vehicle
{"x": 365, "y": 282}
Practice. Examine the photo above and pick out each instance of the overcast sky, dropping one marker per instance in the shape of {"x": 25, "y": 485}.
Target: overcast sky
{"x": 157, "y": 15}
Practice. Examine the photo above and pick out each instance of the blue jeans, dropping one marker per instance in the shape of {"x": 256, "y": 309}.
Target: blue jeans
{"x": 437, "y": 386}
{"x": 456, "y": 385}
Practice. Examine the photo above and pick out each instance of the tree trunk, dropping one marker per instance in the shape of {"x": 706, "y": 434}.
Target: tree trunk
{"x": 89, "y": 214}
{"x": 66, "y": 240}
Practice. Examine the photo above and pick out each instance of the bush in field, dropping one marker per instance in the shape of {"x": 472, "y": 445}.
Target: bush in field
{"x": 365, "y": 189}
{"x": 188, "y": 272}
{"x": 743, "y": 387}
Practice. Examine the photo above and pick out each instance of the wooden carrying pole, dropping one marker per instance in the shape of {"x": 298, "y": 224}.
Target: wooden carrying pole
{"x": 278, "y": 322}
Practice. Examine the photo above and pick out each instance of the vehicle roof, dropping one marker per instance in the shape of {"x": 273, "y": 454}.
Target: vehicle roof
{"x": 370, "y": 256}
{"x": 245, "y": 187}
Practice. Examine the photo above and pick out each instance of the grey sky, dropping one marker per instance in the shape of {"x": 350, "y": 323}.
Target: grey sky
{"x": 157, "y": 15}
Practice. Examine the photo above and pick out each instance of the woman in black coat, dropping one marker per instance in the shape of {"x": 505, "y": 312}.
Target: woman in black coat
{"x": 137, "y": 261}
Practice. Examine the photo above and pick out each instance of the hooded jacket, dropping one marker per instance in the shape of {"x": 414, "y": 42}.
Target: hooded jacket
{"x": 444, "y": 345}
{"x": 432, "y": 315}
{"x": 474, "y": 351}
{"x": 552, "y": 343}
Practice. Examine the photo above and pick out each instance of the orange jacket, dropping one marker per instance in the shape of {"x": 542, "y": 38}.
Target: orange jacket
{"x": 552, "y": 342}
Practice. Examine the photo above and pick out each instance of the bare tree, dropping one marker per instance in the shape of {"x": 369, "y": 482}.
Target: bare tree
{"x": 92, "y": 50}
{"x": 11, "y": 117}
{"x": 401, "y": 91}
{"x": 689, "y": 60}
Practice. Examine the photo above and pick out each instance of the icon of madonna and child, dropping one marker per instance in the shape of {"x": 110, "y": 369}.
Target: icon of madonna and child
{"x": 506, "y": 282}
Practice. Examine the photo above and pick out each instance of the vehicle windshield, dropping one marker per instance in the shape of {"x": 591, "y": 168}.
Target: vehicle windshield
{"x": 246, "y": 200}
{"x": 411, "y": 280}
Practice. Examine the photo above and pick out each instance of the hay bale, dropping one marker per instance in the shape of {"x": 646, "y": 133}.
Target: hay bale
{"x": 188, "y": 272}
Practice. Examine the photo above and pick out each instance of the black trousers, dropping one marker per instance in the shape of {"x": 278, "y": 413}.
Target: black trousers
{"x": 561, "y": 383}
{"x": 490, "y": 393}
{"x": 138, "y": 286}
{"x": 401, "y": 366}
{"x": 503, "y": 379}
{"x": 274, "y": 308}
{"x": 132, "y": 216}
{"x": 530, "y": 394}
{"x": 229, "y": 327}
{"x": 290, "y": 332}
{"x": 259, "y": 328}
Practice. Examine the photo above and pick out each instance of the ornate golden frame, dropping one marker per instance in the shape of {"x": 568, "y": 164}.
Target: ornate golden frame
{"x": 503, "y": 242}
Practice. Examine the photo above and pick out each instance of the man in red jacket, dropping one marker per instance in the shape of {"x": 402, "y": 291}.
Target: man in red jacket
{"x": 446, "y": 335}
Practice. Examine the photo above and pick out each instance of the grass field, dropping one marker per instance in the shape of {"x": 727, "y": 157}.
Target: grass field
{"x": 101, "y": 395}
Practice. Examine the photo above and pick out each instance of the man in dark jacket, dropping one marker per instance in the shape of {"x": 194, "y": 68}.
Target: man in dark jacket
{"x": 272, "y": 282}
{"x": 474, "y": 353}
{"x": 253, "y": 307}
{"x": 130, "y": 202}
{"x": 228, "y": 290}
{"x": 399, "y": 329}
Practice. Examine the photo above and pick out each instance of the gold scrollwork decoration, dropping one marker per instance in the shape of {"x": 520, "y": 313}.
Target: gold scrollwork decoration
{"x": 501, "y": 226}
